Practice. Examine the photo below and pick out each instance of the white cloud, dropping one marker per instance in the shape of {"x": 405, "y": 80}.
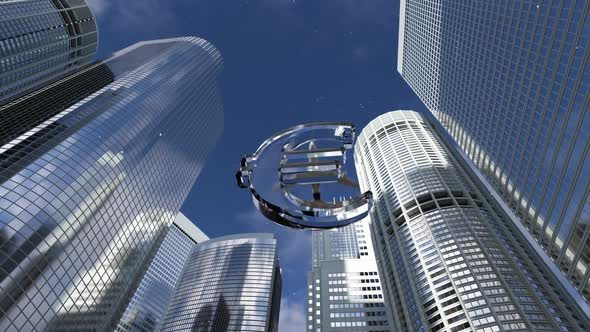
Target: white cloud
{"x": 292, "y": 317}
{"x": 99, "y": 7}
{"x": 145, "y": 15}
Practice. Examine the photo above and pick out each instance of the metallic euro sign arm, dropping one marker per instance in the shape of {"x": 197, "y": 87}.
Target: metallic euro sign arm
{"x": 311, "y": 155}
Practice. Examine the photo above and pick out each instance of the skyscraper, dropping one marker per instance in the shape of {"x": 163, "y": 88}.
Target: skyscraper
{"x": 449, "y": 259}
{"x": 232, "y": 283}
{"x": 344, "y": 290}
{"x": 42, "y": 41}
{"x": 93, "y": 173}
{"x": 510, "y": 81}
{"x": 150, "y": 301}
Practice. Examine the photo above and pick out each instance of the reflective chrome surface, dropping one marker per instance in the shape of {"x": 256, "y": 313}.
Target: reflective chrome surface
{"x": 292, "y": 173}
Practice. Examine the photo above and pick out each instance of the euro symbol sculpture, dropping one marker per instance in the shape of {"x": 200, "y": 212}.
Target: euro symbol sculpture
{"x": 290, "y": 173}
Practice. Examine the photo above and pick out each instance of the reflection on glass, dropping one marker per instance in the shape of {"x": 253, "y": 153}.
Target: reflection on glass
{"x": 90, "y": 175}
{"x": 151, "y": 298}
{"x": 232, "y": 283}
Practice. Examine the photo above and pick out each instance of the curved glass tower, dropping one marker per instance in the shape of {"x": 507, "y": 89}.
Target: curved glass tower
{"x": 449, "y": 260}
{"x": 93, "y": 171}
{"x": 232, "y": 283}
{"x": 42, "y": 41}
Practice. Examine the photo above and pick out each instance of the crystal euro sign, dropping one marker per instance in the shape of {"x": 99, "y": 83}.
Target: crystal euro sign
{"x": 296, "y": 176}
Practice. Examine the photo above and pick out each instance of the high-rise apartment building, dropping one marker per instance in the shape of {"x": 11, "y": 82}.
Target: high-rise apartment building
{"x": 149, "y": 303}
{"x": 510, "y": 81}
{"x": 449, "y": 258}
{"x": 344, "y": 290}
{"x": 42, "y": 41}
{"x": 231, "y": 283}
{"x": 93, "y": 170}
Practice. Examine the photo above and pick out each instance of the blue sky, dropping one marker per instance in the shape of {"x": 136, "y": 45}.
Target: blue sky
{"x": 286, "y": 62}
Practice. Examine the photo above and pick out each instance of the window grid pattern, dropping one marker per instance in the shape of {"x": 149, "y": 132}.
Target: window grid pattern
{"x": 340, "y": 243}
{"x": 455, "y": 265}
{"x": 344, "y": 287}
{"x": 86, "y": 195}
{"x": 510, "y": 81}
{"x": 150, "y": 300}
{"x": 42, "y": 41}
{"x": 226, "y": 285}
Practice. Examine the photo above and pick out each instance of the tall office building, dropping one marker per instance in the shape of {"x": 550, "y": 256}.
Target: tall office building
{"x": 232, "y": 283}
{"x": 93, "y": 171}
{"x": 42, "y": 41}
{"x": 344, "y": 290}
{"x": 150, "y": 301}
{"x": 510, "y": 81}
{"x": 449, "y": 259}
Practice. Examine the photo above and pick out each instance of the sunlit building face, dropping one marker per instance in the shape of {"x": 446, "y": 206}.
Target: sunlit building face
{"x": 344, "y": 289}
{"x": 449, "y": 259}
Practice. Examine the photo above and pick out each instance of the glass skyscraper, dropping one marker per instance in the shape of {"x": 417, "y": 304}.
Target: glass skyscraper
{"x": 93, "y": 171}
{"x": 344, "y": 288}
{"x": 150, "y": 301}
{"x": 510, "y": 81}
{"x": 449, "y": 258}
{"x": 231, "y": 283}
{"x": 42, "y": 41}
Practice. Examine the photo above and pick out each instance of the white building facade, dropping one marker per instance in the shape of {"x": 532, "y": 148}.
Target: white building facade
{"x": 449, "y": 259}
{"x": 344, "y": 288}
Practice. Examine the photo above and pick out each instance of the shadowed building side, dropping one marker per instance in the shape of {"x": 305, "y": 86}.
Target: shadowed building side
{"x": 212, "y": 317}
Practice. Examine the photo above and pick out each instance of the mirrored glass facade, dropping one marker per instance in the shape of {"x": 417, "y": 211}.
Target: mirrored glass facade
{"x": 344, "y": 289}
{"x": 41, "y": 41}
{"x": 510, "y": 81}
{"x": 92, "y": 176}
{"x": 449, "y": 260}
{"x": 150, "y": 301}
{"x": 232, "y": 283}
